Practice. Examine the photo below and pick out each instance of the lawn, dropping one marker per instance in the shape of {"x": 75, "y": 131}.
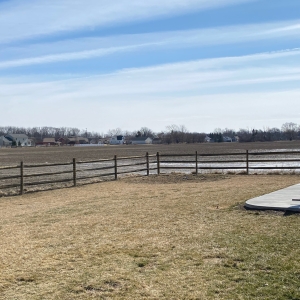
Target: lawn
{"x": 162, "y": 237}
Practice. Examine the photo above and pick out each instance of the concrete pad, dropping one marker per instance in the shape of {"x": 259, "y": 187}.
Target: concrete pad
{"x": 285, "y": 199}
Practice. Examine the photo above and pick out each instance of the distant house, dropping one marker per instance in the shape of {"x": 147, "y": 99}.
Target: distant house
{"x": 32, "y": 142}
{"x": 117, "y": 140}
{"x": 77, "y": 140}
{"x": 156, "y": 140}
{"x": 19, "y": 139}
{"x": 50, "y": 142}
{"x": 227, "y": 139}
{"x": 4, "y": 142}
{"x": 103, "y": 141}
{"x": 62, "y": 141}
{"x": 207, "y": 139}
{"x": 93, "y": 141}
{"x": 236, "y": 139}
{"x": 141, "y": 140}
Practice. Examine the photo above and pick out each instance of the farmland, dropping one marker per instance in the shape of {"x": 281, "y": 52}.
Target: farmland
{"x": 65, "y": 154}
{"x": 157, "y": 237}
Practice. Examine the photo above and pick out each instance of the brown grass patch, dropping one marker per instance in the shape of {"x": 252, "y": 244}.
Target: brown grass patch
{"x": 174, "y": 178}
{"x": 180, "y": 239}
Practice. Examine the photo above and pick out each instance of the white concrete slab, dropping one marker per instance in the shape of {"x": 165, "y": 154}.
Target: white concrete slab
{"x": 285, "y": 199}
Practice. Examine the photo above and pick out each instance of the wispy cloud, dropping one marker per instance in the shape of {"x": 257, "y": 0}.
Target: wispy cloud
{"x": 88, "y": 48}
{"x": 22, "y": 20}
{"x": 254, "y": 90}
{"x": 68, "y": 56}
{"x": 196, "y": 77}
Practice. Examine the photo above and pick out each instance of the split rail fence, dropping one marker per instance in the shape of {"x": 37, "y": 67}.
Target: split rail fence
{"x": 23, "y": 176}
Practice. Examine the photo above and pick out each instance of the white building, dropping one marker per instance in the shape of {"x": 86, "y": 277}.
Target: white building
{"x": 141, "y": 140}
{"x": 19, "y": 139}
{"x": 117, "y": 140}
{"x": 207, "y": 139}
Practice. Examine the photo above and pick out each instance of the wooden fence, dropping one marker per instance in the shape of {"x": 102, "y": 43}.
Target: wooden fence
{"x": 74, "y": 172}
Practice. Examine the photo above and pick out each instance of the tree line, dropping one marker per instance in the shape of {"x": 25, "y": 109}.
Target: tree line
{"x": 172, "y": 133}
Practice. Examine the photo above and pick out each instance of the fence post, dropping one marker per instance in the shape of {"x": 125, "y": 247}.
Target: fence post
{"x": 147, "y": 163}
{"x": 158, "y": 163}
{"x": 74, "y": 172}
{"x": 196, "y": 156}
{"x": 21, "y": 178}
{"x": 116, "y": 167}
{"x": 247, "y": 161}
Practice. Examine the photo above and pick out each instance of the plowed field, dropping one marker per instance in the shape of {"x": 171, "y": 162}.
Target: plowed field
{"x": 65, "y": 154}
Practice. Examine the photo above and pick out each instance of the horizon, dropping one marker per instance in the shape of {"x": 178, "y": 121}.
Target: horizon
{"x": 287, "y": 127}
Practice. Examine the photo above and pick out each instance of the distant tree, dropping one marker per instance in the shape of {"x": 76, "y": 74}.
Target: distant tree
{"x": 75, "y": 131}
{"x": 217, "y": 137}
{"x": 275, "y": 134}
{"x": 218, "y": 130}
{"x": 113, "y": 132}
{"x": 195, "y": 137}
{"x": 228, "y": 132}
{"x": 290, "y": 130}
{"x": 254, "y": 135}
{"x": 176, "y": 133}
{"x": 146, "y": 132}
{"x": 244, "y": 135}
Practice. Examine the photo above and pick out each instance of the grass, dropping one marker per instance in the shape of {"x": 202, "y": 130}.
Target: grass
{"x": 150, "y": 238}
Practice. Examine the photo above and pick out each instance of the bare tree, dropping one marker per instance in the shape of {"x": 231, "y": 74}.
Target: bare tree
{"x": 290, "y": 130}
{"x": 113, "y": 132}
{"x": 146, "y": 132}
{"x": 176, "y": 133}
{"x": 245, "y": 135}
{"x": 228, "y": 132}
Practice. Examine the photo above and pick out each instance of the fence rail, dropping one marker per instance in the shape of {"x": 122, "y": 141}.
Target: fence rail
{"x": 27, "y": 175}
{"x": 48, "y": 165}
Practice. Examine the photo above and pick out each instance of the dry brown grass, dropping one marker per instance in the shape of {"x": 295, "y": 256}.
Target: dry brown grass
{"x": 184, "y": 238}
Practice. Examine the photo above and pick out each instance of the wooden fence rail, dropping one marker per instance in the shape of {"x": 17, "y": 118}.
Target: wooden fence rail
{"x": 95, "y": 161}
{"x": 76, "y": 171}
{"x": 48, "y": 165}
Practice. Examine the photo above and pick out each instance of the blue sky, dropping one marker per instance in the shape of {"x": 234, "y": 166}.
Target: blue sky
{"x": 101, "y": 64}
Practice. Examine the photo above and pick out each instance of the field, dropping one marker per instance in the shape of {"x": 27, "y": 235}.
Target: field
{"x": 161, "y": 237}
{"x": 65, "y": 154}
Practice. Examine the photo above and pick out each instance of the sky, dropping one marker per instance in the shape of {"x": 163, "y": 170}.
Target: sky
{"x": 102, "y": 64}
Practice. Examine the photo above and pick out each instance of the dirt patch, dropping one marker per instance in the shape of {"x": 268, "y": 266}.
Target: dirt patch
{"x": 175, "y": 178}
